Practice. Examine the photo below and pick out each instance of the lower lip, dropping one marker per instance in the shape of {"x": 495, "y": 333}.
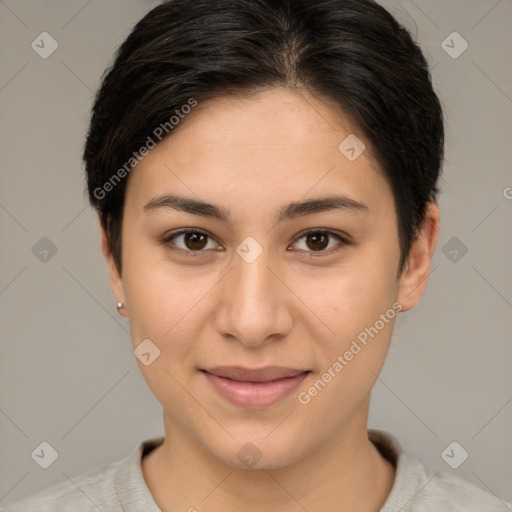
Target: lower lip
{"x": 254, "y": 395}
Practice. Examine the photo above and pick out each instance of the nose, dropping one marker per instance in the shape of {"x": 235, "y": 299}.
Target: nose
{"x": 255, "y": 304}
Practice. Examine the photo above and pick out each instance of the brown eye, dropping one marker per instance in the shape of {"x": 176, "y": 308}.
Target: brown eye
{"x": 190, "y": 242}
{"x": 317, "y": 241}
{"x": 321, "y": 242}
{"x": 195, "y": 241}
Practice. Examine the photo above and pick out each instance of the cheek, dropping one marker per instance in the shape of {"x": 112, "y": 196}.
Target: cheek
{"x": 351, "y": 297}
{"x": 161, "y": 303}
{"x": 167, "y": 303}
{"x": 166, "y": 308}
{"x": 360, "y": 307}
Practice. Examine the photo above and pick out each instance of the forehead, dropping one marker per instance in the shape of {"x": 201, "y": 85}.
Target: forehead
{"x": 272, "y": 118}
{"x": 257, "y": 149}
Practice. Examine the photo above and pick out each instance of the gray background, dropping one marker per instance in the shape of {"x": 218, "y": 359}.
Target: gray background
{"x": 68, "y": 374}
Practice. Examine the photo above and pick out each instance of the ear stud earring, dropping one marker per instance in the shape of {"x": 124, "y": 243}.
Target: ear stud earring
{"x": 119, "y": 305}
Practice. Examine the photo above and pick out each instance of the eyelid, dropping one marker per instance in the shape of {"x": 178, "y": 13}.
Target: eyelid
{"x": 167, "y": 241}
{"x": 342, "y": 238}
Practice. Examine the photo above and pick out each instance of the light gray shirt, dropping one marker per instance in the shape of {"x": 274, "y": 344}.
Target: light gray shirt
{"x": 120, "y": 487}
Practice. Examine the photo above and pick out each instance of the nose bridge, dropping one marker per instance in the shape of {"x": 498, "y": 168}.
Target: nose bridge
{"x": 252, "y": 307}
{"x": 254, "y": 292}
{"x": 253, "y": 284}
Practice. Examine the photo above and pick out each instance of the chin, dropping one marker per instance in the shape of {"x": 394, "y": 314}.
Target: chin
{"x": 258, "y": 452}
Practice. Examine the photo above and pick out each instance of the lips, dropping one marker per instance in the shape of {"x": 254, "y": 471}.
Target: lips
{"x": 269, "y": 373}
{"x": 254, "y": 388}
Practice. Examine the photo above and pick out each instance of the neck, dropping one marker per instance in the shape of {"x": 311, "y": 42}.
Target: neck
{"x": 347, "y": 472}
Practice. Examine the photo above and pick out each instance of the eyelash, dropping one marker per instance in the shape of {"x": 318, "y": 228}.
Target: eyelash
{"x": 166, "y": 241}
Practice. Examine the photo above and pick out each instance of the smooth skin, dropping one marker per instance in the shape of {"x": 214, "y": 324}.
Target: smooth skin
{"x": 295, "y": 306}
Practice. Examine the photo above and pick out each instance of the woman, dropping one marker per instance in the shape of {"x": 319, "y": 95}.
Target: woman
{"x": 265, "y": 174}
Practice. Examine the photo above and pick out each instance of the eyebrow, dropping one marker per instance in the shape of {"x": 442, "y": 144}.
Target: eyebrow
{"x": 287, "y": 212}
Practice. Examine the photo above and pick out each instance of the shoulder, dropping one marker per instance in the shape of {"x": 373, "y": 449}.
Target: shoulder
{"x": 420, "y": 489}
{"x": 447, "y": 492}
{"x": 93, "y": 490}
{"x": 115, "y": 487}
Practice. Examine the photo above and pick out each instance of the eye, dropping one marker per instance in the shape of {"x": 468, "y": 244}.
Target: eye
{"x": 193, "y": 241}
{"x": 319, "y": 241}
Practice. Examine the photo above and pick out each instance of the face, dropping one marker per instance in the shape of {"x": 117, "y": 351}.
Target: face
{"x": 290, "y": 261}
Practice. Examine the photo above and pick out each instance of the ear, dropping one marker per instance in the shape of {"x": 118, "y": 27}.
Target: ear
{"x": 414, "y": 278}
{"x": 116, "y": 281}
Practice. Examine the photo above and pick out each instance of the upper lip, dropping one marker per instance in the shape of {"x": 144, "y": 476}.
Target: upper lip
{"x": 266, "y": 374}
